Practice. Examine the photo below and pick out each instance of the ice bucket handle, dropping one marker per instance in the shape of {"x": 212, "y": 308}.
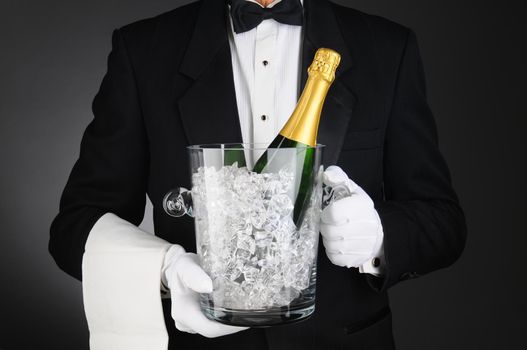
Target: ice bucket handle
{"x": 178, "y": 202}
{"x": 332, "y": 194}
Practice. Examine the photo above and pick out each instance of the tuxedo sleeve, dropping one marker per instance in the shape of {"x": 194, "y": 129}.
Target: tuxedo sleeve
{"x": 424, "y": 225}
{"x": 95, "y": 237}
{"x": 110, "y": 174}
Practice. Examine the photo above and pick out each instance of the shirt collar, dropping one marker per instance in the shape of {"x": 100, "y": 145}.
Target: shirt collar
{"x": 273, "y": 3}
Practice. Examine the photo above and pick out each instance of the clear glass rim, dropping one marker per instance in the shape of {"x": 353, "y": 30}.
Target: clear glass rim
{"x": 245, "y": 146}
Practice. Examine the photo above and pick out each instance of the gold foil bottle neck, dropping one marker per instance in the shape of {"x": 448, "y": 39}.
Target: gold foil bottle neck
{"x": 325, "y": 64}
{"x": 302, "y": 126}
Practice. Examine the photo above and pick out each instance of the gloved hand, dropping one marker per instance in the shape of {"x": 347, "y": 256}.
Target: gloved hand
{"x": 185, "y": 279}
{"x": 351, "y": 228}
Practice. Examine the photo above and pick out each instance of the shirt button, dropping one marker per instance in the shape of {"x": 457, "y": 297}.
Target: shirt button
{"x": 376, "y": 262}
{"x": 263, "y": 117}
{"x": 265, "y": 63}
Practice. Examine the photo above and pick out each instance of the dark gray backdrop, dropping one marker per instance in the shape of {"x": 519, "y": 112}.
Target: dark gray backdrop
{"x": 53, "y": 57}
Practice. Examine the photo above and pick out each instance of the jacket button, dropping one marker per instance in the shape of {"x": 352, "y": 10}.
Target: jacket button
{"x": 376, "y": 262}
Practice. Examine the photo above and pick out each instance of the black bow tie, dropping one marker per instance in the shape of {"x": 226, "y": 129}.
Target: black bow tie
{"x": 246, "y": 15}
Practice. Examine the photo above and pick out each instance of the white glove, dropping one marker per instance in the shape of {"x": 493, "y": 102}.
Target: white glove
{"x": 186, "y": 279}
{"x": 351, "y": 228}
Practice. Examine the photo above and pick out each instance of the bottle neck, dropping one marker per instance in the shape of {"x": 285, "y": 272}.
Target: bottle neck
{"x": 302, "y": 126}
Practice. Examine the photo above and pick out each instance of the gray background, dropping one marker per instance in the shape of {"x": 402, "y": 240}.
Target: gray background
{"x": 53, "y": 57}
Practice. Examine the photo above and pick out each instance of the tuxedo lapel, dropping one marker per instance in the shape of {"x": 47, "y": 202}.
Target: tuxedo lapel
{"x": 321, "y": 30}
{"x": 208, "y": 108}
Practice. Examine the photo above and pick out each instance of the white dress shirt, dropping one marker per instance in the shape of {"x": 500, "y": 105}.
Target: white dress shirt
{"x": 122, "y": 264}
{"x": 266, "y": 70}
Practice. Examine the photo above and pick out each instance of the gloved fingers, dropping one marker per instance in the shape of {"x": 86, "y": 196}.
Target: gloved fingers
{"x": 181, "y": 327}
{"x": 192, "y": 275}
{"x": 196, "y": 320}
{"x": 363, "y": 245}
{"x": 213, "y": 329}
{"x": 334, "y": 176}
{"x": 185, "y": 307}
{"x": 337, "y": 212}
{"x": 351, "y": 230}
{"x": 342, "y": 211}
{"x": 187, "y": 313}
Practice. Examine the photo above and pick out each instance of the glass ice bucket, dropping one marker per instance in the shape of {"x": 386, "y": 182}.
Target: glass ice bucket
{"x": 259, "y": 250}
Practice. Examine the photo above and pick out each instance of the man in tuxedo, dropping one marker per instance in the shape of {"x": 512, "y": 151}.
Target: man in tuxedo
{"x": 231, "y": 71}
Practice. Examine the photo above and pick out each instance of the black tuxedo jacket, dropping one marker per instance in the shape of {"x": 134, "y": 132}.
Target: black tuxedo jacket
{"x": 169, "y": 84}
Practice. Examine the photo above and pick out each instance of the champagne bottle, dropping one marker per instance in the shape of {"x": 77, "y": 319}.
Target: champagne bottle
{"x": 234, "y": 155}
{"x": 300, "y": 131}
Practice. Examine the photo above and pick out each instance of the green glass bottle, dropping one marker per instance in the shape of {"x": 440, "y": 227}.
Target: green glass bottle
{"x": 234, "y": 155}
{"x": 300, "y": 131}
